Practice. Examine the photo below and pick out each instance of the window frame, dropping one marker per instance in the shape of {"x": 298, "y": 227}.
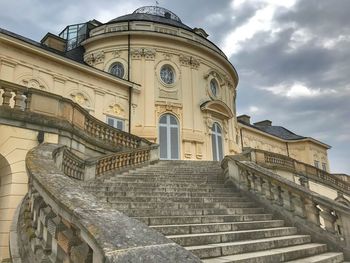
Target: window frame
{"x": 114, "y": 64}
{"x": 116, "y": 120}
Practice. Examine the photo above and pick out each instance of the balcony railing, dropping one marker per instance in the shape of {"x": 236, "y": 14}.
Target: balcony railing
{"x": 34, "y": 101}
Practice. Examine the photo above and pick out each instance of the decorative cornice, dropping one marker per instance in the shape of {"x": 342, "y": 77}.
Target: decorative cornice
{"x": 147, "y": 53}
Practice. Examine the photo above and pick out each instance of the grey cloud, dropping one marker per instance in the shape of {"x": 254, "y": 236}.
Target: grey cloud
{"x": 264, "y": 61}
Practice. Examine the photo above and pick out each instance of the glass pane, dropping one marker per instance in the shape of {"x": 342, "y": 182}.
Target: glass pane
{"x": 213, "y": 143}
{"x": 163, "y": 142}
{"x": 220, "y": 153}
{"x": 163, "y": 119}
{"x": 173, "y": 120}
{"x": 167, "y": 74}
{"x": 218, "y": 129}
{"x": 110, "y": 121}
{"x": 174, "y": 142}
{"x": 120, "y": 124}
{"x": 117, "y": 70}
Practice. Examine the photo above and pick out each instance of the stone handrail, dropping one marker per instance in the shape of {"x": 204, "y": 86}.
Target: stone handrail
{"x": 75, "y": 167}
{"x": 70, "y": 225}
{"x": 30, "y": 100}
{"x": 278, "y": 161}
{"x": 326, "y": 220}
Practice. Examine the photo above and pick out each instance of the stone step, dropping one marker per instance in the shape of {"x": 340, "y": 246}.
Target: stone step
{"x": 216, "y": 227}
{"x": 330, "y": 257}
{"x": 273, "y": 255}
{"x": 160, "y": 185}
{"x": 238, "y": 247}
{"x": 162, "y": 194}
{"x": 112, "y": 189}
{"x": 179, "y": 205}
{"x": 182, "y": 199}
{"x": 116, "y": 195}
{"x": 165, "y": 179}
{"x": 172, "y": 220}
{"x": 230, "y": 236}
{"x": 191, "y": 212}
{"x": 160, "y": 176}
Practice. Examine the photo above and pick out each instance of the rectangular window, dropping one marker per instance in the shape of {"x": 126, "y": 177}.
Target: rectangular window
{"x": 324, "y": 167}
{"x": 115, "y": 122}
{"x": 317, "y": 164}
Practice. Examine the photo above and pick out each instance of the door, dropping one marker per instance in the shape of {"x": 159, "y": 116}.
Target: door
{"x": 216, "y": 139}
{"x": 169, "y": 137}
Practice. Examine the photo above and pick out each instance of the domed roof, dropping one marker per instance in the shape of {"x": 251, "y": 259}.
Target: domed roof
{"x": 154, "y": 14}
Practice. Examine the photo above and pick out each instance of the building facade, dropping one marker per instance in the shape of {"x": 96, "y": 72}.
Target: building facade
{"x": 277, "y": 139}
{"x": 146, "y": 73}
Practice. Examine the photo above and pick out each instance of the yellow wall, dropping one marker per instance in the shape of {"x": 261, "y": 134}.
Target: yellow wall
{"x": 14, "y": 145}
{"x": 29, "y": 66}
{"x": 194, "y": 68}
{"x": 305, "y": 150}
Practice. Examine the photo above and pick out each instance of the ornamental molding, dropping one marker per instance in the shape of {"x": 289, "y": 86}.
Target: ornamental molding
{"x": 147, "y": 53}
{"x": 116, "y": 110}
{"x": 33, "y": 83}
{"x": 95, "y": 58}
{"x": 168, "y": 107}
{"x": 116, "y": 53}
{"x": 189, "y": 61}
{"x": 81, "y": 98}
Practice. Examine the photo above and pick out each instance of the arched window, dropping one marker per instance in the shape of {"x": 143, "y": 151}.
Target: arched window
{"x": 216, "y": 139}
{"x": 169, "y": 137}
{"x": 117, "y": 69}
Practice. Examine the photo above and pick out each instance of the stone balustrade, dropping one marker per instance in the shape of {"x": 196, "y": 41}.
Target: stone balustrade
{"x": 324, "y": 219}
{"x": 118, "y": 161}
{"x": 48, "y": 106}
{"x": 305, "y": 171}
{"x": 75, "y": 167}
{"x": 72, "y": 165}
{"x": 59, "y": 222}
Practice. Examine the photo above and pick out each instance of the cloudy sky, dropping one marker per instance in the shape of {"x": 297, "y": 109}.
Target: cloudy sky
{"x": 292, "y": 56}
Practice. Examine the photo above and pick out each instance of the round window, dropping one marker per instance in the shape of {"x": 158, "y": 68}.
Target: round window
{"x": 117, "y": 69}
{"x": 167, "y": 74}
{"x": 214, "y": 87}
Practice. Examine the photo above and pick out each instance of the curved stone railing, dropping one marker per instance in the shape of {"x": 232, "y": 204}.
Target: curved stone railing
{"x": 281, "y": 162}
{"x": 324, "y": 219}
{"x": 44, "y": 108}
{"x": 60, "y": 222}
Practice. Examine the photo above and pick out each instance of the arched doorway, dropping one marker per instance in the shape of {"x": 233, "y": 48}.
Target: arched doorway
{"x": 5, "y": 219}
{"x": 216, "y": 139}
{"x": 168, "y": 137}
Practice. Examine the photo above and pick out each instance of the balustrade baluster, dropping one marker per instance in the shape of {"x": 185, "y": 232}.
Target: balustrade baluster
{"x": 312, "y": 212}
{"x": 328, "y": 217}
{"x": 286, "y": 199}
{"x": 276, "y": 191}
{"x": 19, "y": 100}
{"x": 6, "y": 97}
{"x": 298, "y": 205}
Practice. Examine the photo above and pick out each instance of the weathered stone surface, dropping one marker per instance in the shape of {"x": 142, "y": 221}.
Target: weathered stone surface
{"x": 118, "y": 237}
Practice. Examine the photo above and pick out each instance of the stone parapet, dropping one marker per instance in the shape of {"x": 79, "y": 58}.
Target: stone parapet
{"x": 323, "y": 218}
{"x": 305, "y": 171}
{"x": 70, "y": 224}
{"x": 33, "y": 106}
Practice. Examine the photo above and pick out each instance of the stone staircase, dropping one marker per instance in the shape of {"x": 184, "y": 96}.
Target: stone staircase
{"x": 188, "y": 202}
